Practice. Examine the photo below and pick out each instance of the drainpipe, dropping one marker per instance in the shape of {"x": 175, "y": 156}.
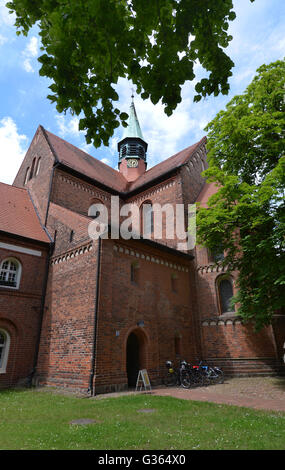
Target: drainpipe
{"x": 91, "y": 379}
{"x": 43, "y": 299}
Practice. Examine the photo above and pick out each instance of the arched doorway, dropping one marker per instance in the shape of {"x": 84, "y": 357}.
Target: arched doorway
{"x": 135, "y": 356}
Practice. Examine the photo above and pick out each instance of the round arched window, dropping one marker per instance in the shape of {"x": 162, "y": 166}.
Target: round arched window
{"x": 147, "y": 219}
{"x": 10, "y": 273}
{"x": 225, "y": 292}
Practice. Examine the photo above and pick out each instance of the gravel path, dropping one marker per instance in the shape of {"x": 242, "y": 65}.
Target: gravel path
{"x": 254, "y": 392}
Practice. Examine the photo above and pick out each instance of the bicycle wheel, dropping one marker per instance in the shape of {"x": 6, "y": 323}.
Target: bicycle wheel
{"x": 213, "y": 376}
{"x": 185, "y": 379}
{"x": 170, "y": 379}
{"x": 196, "y": 378}
{"x": 220, "y": 376}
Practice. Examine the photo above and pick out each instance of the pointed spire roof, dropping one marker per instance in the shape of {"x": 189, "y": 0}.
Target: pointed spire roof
{"x": 133, "y": 129}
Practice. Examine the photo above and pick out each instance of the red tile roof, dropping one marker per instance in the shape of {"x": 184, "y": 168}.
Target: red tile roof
{"x": 80, "y": 161}
{"x": 18, "y": 215}
{"x": 166, "y": 166}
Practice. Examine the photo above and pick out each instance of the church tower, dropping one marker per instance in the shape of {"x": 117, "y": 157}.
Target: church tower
{"x": 132, "y": 148}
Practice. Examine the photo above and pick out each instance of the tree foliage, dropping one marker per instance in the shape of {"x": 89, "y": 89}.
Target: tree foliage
{"x": 89, "y": 44}
{"x": 247, "y": 214}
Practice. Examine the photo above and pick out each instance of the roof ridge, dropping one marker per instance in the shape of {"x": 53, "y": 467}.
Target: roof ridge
{"x": 13, "y": 186}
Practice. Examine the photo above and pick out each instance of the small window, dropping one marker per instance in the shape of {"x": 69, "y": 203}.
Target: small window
{"x": 95, "y": 209}
{"x": 225, "y": 292}
{"x": 177, "y": 345}
{"x": 4, "y": 350}
{"x": 10, "y": 273}
{"x": 27, "y": 175}
{"x": 147, "y": 219}
{"x": 71, "y": 237}
{"x": 135, "y": 273}
{"x": 217, "y": 255}
{"x": 32, "y": 169}
{"x": 38, "y": 166}
{"x": 174, "y": 282}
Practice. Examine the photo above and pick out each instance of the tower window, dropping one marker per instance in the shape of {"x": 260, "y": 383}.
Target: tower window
{"x": 71, "y": 236}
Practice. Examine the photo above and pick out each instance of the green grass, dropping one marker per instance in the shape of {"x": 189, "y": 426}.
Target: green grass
{"x": 34, "y": 420}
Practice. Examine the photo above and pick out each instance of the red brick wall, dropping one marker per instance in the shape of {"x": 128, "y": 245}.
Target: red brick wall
{"x": 67, "y": 333}
{"x": 123, "y": 305}
{"x": 75, "y": 194}
{"x": 167, "y": 192}
{"x": 223, "y": 335}
{"x": 20, "y": 312}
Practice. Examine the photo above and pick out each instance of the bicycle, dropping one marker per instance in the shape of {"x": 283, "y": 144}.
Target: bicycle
{"x": 195, "y": 376}
{"x": 211, "y": 374}
{"x": 176, "y": 376}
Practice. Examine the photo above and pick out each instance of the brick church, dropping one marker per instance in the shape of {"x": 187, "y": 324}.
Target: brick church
{"x": 87, "y": 313}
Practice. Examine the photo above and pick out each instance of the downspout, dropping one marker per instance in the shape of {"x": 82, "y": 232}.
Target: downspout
{"x": 91, "y": 379}
{"x": 43, "y": 299}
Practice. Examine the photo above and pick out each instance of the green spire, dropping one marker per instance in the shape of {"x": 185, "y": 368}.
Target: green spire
{"x": 133, "y": 129}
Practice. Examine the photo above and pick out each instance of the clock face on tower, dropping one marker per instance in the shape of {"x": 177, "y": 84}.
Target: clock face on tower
{"x": 132, "y": 162}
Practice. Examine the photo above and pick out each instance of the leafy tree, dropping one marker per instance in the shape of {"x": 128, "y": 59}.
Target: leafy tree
{"x": 247, "y": 214}
{"x": 89, "y": 44}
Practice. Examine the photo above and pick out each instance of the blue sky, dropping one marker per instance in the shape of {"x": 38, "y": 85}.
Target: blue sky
{"x": 258, "y": 37}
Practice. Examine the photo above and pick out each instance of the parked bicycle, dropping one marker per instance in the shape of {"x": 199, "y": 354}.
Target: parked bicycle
{"x": 190, "y": 375}
{"x": 210, "y": 374}
{"x": 176, "y": 376}
{"x": 195, "y": 376}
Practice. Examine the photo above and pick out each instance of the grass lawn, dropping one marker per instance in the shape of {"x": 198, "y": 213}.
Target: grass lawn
{"x": 37, "y": 420}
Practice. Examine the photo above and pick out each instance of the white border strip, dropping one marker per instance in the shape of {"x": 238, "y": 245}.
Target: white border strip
{"x": 20, "y": 249}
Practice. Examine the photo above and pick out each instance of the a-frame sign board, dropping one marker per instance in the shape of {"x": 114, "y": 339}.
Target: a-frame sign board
{"x": 143, "y": 381}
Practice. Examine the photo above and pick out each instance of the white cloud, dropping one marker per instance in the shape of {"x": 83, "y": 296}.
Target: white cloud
{"x": 67, "y": 126}
{"x": 3, "y": 39}
{"x": 5, "y": 17}
{"x": 13, "y": 149}
{"x": 30, "y": 53}
{"x": 106, "y": 161}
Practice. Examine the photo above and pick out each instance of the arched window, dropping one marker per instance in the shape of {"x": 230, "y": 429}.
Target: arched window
{"x": 217, "y": 255}
{"x": 225, "y": 294}
{"x": 174, "y": 282}
{"x": 177, "y": 345}
{"x": 147, "y": 219}
{"x": 38, "y": 166}
{"x": 4, "y": 350}
{"x": 10, "y": 273}
{"x": 27, "y": 175}
{"x": 94, "y": 208}
{"x": 135, "y": 273}
{"x": 32, "y": 169}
